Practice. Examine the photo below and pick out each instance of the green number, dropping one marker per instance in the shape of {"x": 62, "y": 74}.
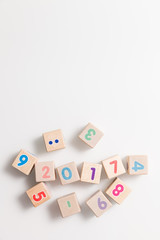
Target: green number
{"x": 88, "y": 135}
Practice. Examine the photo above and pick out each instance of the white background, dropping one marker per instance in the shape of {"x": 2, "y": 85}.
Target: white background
{"x": 64, "y": 64}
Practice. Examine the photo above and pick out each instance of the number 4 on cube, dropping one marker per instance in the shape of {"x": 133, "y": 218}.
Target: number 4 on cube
{"x": 137, "y": 165}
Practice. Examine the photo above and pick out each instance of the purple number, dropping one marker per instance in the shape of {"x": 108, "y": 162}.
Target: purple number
{"x": 102, "y": 204}
{"x": 93, "y": 173}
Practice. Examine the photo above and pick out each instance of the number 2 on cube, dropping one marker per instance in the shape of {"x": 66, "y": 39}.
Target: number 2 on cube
{"x": 45, "y": 169}
{"x": 137, "y": 166}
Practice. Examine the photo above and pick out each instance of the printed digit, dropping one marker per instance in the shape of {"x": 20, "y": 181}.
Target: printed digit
{"x": 69, "y": 173}
{"x": 102, "y": 204}
{"x": 93, "y": 173}
{"x": 40, "y": 196}
{"x": 68, "y": 203}
{"x": 118, "y": 189}
{"x": 23, "y": 160}
{"x": 137, "y": 166}
{"x": 115, "y": 165}
{"x": 88, "y": 135}
{"x": 47, "y": 171}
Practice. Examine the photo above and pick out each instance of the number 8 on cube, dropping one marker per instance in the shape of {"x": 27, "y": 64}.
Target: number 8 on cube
{"x": 118, "y": 191}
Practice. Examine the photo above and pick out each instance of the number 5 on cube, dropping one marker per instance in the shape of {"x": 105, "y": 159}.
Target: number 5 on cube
{"x": 98, "y": 203}
{"x": 38, "y": 194}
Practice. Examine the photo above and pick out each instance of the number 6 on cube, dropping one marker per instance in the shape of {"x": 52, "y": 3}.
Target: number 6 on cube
{"x": 98, "y": 203}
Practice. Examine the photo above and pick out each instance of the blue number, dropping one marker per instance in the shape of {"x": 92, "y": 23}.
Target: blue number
{"x": 69, "y": 172}
{"x": 23, "y": 160}
{"x": 137, "y": 166}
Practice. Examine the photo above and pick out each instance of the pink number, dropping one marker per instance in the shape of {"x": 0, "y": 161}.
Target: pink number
{"x": 47, "y": 171}
{"x": 118, "y": 189}
{"x": 40, "y": 195}
{"x": 115, "y": 165}
{"x": 93, "y": 173}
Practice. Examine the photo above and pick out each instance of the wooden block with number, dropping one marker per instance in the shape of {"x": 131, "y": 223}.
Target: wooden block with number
{"x": 69, "y": 205}
{"x": 53, "y": 140}
{"x": 44, "y": 171}
{"x": 98, "y": 203}
{"x": 91, "y": 135}
{"x": 24, "y": 162}
{"x": 38, "y": 194}
{"x": 68, "y": 173}
{"x": 118, "y": 191}
{"x": 91, "y": 172}
{"x": 113, "y": 166}
{"x": 137, "y": 165}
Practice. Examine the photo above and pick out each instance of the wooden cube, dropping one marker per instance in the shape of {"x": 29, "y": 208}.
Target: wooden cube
{"x": 24, "y": 162}
{"x": 54, "y": 140}
{"x": 98, "y": 203}
{"x": 118, "y": 191}
{"x": 91, "y": 135}
{"x": 91, "y": 172}
{"x": 68, "y": 173}
{"x": 38, "y": 194}
{"x": 113, "y": 166}
{"x": 68, "y": 205}
{"x": 137, "y": 165}
{"x": 45, "y": 171}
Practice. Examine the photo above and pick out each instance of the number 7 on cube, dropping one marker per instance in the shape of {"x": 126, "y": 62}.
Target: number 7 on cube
{"x": 113, "y": 166}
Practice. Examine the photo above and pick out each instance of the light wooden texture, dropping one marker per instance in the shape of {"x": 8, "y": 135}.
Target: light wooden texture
{"x": 68, "y": 173}
{"x": 120, "y": 189}
{"x": 87, "y": 172}
{"x": 91, "y": 135}
{"x": 44, "y": 171}
{"x": 28, "y": 159}
{"x": 38, "y": 194}
{"x": 137, "y": 165}
{"x": 98, "y": 203}
{"x": 53, "y": 140}
{"x": 113, "y": 166}
{"x": 69, "y": 205}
